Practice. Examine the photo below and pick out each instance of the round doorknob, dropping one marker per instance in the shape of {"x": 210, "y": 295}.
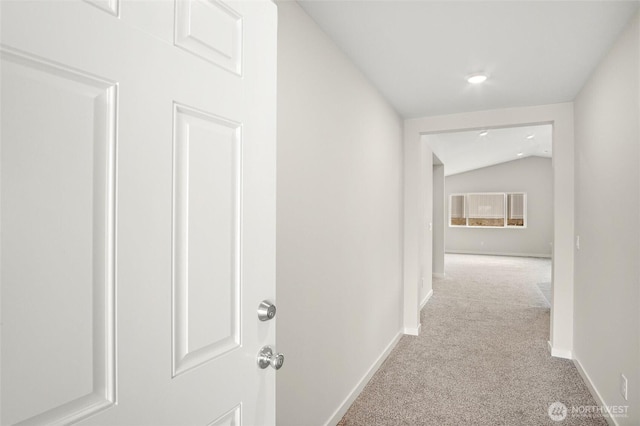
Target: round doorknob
{"x": 266, "y": 358}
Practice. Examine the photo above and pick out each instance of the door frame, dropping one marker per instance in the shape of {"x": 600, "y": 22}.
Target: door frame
{"x": 418, "y": 199}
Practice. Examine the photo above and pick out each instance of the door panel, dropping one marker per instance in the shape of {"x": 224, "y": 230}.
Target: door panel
{"x": 138, "y": 212}
{"x": 212, "y": 31}
{"x": 57, "y": 236}
{"x": 206, "y": 256}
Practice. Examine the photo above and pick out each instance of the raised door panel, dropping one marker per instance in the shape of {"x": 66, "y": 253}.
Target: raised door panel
{"x": 206, "y": 237}
{"x": 57, "y": 226}
{"x": 232, "y": 417}
{"x": 212, "y": 30}
{"x": 110, "y": 6}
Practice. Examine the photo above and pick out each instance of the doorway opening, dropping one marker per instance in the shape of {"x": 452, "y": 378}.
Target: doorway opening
{"x": 492, "y": 194}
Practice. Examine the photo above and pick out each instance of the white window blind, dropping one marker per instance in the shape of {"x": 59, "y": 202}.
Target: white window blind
{"x": 457, "y": 206}
{"x": 516, "y": 206}
{"x": 486, "y": 206}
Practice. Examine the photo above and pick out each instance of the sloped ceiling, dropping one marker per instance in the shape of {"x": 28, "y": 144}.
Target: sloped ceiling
{"x": 470, "y": 150}
{"x": 418, "y": 53}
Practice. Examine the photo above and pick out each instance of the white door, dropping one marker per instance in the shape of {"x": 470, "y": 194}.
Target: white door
{"x": 137, "y": 211}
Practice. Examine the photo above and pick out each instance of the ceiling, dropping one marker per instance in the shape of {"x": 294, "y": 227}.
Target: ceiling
{"x": 469, "y": 150}
{"x": 418, "y": 53}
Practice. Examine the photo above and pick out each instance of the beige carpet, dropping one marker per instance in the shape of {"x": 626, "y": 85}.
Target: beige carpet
{"x": 482, "y": 357}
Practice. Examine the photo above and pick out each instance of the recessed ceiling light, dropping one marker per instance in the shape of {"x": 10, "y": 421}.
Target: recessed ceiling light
{"x": 484, "y": 133}
{"x": 520, "y": 154}
{"x": 477, "y": 78}
{"x": 531, "y": 136}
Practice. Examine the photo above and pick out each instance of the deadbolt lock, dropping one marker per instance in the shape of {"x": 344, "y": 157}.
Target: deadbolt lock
{"x": 266, "y": 310}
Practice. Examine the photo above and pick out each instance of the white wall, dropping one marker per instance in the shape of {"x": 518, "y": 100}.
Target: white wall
{"x": 532, "y": 175}
{"x": 439, "y": 220}
{"x": 426, "y": 233}
{"x": 607, "y": 285}
{"x": 339, "y": 236}
{"x": 417, "y": 186}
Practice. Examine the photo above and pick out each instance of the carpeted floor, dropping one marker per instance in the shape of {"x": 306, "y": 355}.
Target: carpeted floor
{"x": 482, "y": 357}
{"x": 545, "y": 288}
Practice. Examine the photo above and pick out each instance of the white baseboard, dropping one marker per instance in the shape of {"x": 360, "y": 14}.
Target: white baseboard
{"x": 342, "y": 409}
{"x": 559, "y": 353}
{"x": 413, "y": 331}
{"x": 594, "y": 392}
{"x": 426, "y": 299}
{"x": 437, "y": 275}
{"x": 494, "y": 253}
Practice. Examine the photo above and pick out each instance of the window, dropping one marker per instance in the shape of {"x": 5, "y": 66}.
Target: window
{"x": 485, "y": 209}
{"x": 458, "y": 216}
{"x": 495, "y": 209}
{"x": 515, "y": 209}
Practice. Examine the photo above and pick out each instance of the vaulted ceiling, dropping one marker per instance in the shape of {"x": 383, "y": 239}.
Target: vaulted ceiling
{"x": 418, "y": 53}
{"x": 473, "y": 149}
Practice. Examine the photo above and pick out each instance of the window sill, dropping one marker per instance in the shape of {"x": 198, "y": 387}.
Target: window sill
{"x": 488, "y": 227}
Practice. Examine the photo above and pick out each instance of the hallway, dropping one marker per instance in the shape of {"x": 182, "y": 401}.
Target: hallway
{"x": 482, "y": 356}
